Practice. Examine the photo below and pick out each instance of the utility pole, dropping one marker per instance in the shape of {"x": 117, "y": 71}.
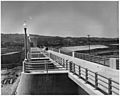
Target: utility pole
{"x": 89, "y": 43}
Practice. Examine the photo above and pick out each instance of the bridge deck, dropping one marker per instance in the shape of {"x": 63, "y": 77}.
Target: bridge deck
{"x": 103, "y": 70}
{"x": 41, "y": 62}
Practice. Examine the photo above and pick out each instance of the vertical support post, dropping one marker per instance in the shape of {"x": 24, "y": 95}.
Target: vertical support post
{"x": 74, "y": 68}
{"x": 59, "y": 50}
{"x": 79, "y": 71}
{"x": 60, "y": 61}
{"x": 70, "y": 66}
{"x": 104, "y": 61}
{"x": 66, "y": 64}
{"x": 96, "y": 80}
{"x": 73, "y": 54}
{"x": 63, "y": 62}
{"x": 109, "y": 86}
{"x": 86, "y": 75}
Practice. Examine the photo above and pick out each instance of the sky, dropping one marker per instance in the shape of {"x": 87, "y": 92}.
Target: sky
{"x": 61, "y": 18}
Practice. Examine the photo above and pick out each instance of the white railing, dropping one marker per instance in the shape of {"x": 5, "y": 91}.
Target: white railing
{"x": 104, "y": 84}
{"x": 88, "y": 57}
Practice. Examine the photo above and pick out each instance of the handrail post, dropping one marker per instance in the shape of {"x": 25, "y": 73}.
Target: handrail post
{"x": 109, "y": 86}
{"x": 79, "y": 71}
{"x": 86, "y": 75}
{"x": 96, "y": 80}
{"x": 66, "y": 64}
{"x": 73, "y": 54}
{"x": 104, "y": 61}
{"x": 74, "y": 68}
{"x": 59, "y": 60}
{"x": 63, "y": 63}
{"x": 70, "y": 65}
{"x": 59, "y": 50}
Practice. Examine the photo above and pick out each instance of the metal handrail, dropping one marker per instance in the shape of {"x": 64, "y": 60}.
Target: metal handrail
{"x": 88, "y": 57}
{"x": 92, "y": 58}
{"x": 73, "y": 69}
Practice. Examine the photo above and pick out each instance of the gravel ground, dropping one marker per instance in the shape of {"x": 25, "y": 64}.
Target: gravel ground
{"x": 9, "y": 80}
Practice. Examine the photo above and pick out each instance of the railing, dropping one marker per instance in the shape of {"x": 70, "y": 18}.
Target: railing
{"x": 41, "y": 66}
{"x": 88, "y": 57}
{"x": 66, "y": 53}
{"x": 39, "y": 62}
{"x": 54, "y": 49}
{"x": 60, "y": 60}
{"x": 92, "y": 58}
{"x": 100, "y": 82}
{"x": 106, "y": 85}
{"x": 35, "y": 55}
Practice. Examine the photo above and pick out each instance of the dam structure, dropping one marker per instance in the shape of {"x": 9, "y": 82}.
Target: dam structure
{"x": 51, "y": 72}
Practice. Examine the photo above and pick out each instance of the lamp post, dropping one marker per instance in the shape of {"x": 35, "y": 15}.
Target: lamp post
{"x": 89, "y": 43}
{"x": 25, "y": 39}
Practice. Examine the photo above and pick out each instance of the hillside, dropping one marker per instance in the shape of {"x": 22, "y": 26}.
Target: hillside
{"x": 54, "y": 41}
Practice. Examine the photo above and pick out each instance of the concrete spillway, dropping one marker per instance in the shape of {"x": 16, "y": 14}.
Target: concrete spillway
{"x": 48, "y": 84}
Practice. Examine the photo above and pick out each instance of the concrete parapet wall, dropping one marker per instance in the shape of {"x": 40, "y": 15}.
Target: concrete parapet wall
{"x": 48, "y": 84}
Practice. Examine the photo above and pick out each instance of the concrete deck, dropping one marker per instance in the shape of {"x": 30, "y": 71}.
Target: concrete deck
{"x": 102, "y": 70}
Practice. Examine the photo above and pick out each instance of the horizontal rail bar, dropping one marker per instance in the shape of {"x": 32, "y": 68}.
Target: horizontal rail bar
{"x": 115, "y": 92}
{"x": 115, "y": 87}
{"x": 102, "y": 85}
{"x": 103, "y": 81}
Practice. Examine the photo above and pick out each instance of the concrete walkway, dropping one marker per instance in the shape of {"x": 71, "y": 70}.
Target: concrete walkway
{"x": 102, "y": 70}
